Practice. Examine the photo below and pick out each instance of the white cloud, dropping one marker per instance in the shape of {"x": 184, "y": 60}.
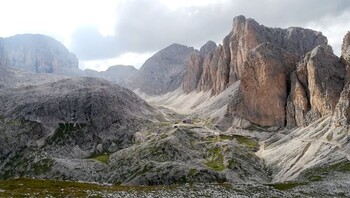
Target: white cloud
{"x": 101, "y": 33}
{"x": 334, "y": 28}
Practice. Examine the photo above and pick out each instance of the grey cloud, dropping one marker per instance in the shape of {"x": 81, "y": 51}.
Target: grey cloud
{"x": 146, "y": 25}
{"x": 89, "y": 44}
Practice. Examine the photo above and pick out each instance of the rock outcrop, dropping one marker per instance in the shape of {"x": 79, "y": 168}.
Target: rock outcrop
{"x": 194, "y": 67}
{"x": 163, "y": 72}
{"x": 342, "y": 111}
{"x": 225, "y": 65}
{"x": 264, "y": 86}
{"x": 37, "y": 53}
{"x": 316, "y": 86}
{"x": 345, "y": 55}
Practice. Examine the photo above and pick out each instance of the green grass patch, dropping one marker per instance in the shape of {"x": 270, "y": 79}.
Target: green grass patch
{"x": 318, "y": 173}
{"x": 215, "y": 160}
{"x": 286, "y": 185}
{"x": 246, "y": 141}
{"x": 219, "y": 138}
{"x": 104, "y": 158}
{"x": 192, "y": 172}
{"x": 315, "y": 178}
{"x": 23, "y": 187}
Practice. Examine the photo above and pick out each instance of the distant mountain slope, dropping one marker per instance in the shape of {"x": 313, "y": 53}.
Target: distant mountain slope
{"x": 118, "y": 74}
{"x": 163, "y": 72}
{"x": 43, "y": 54}
{"x": 37, "y": 53}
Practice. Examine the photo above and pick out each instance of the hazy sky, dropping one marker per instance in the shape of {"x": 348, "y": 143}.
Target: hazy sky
{"x": 109, "y": 32}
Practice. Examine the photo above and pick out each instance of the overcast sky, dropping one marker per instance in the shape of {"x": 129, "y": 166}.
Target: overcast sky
{"x": 109, "y": 32}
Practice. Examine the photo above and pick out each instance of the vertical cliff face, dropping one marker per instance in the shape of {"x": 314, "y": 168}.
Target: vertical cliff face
{"x": 275, "y": 91}
{"x": 345, "y": 55}
{"x": 315, "y": 86}
{"x": 342, "y": 111}
{"x": 194, "y": 67}
{"x": 289, "y": 77}
{"x": 263, "y": 87}
{"x": 36, "y": 53}
{"x": 226, "y": 64}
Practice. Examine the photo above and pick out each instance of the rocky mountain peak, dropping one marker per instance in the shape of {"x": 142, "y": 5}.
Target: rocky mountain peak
{"x": 226, "y": 64}
{"x": 36, "y": 53}
{"x": 163, "y": 72}
{"x": 207, "y": 48}
{"x": 118, "y": 74}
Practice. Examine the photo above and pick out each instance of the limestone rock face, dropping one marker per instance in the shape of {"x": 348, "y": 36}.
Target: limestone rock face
{"x": 325, "y": 79}
{"x": 317, "y": 85}
{"x": 194, "y": 68}
{"x": 37, "y": 53}
{"x": 345, "y": 55}
{"x": 345, "y": 49}
{"x": 264, "y": 86}
{"x": 161, "y": 73}
{"x": 297, "y": 103}
{"x": 342, "y": 110}
{"x": 225, "y": 65}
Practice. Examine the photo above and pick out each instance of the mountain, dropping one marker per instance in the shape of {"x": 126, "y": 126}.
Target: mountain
{"x": 49, "y": 122}
{"x": 43, "y": 54}
{"x": 298, "y": 91}
{"x": 265, "y": 112}
{"x": 37, "y": 53}
{"x": 225, "y": 65}
{"x": 284, "y": 87}
{"x": 118, "y": 74}
{"x": 87, "y": 129}
{"x": 163, "y": 72}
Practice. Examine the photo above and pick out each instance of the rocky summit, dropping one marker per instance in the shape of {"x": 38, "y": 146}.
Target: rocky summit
{"x": 37, "y": 53}
{"x": 266, "y": 114}
{"x": 226, "y": 64}
{"x": 163, "y": 72}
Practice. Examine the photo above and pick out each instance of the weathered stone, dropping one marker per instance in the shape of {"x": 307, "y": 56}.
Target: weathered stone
{"x": 345, "y": 55}
{"x": 193, "y": 72}
{"x": 194, "y": 67}
{"x": 298, "y": 104}
{"x": 226, "y": 64}
{"x": 325, "y": 78}
{"x": 264, "y": 86}
{"x": 342, "y": 110}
